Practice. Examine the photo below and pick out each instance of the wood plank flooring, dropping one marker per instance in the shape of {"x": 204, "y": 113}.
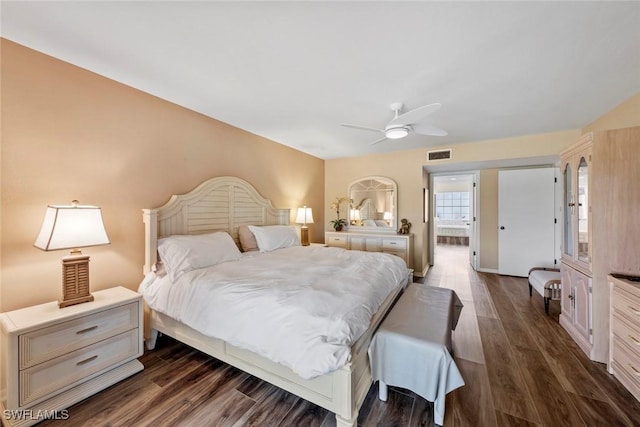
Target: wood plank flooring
{"x": 520, "y": 369}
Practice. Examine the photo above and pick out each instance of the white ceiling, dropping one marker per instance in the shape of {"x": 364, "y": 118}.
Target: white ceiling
{"x": 293, "y": 71}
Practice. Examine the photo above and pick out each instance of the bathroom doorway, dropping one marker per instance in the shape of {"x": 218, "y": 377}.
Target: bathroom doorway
{"x": 454, "y": 218}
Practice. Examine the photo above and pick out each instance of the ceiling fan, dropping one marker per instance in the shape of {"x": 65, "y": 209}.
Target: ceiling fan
{"x": 402, "y": 124}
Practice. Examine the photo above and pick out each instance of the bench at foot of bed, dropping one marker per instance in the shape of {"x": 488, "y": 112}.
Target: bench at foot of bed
{"x": 413, "y": 347}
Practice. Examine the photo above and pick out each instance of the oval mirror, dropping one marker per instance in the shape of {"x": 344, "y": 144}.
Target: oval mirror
{"x": 374, "y": 208}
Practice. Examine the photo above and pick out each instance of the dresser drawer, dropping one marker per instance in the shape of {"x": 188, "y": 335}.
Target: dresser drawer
{"x": 394, "y": 244}
{"x": 626, "y": 367}
{"x": 47, "y": 343}
{"x": 629, "y": 334}
{"x": 55, "y": 375}
{"x": 627, "y": 305}
{"x": 340, "y": 241}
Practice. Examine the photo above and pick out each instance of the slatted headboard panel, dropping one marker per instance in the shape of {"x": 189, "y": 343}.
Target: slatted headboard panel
{"x": 367, "y": 209}
{"x": 219, "y": 204}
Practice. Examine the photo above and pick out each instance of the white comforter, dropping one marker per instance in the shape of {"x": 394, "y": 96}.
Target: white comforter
{"x": 302, "y": 307}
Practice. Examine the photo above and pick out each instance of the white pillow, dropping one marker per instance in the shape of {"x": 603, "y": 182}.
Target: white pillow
{"x": 369, "y": 223}
{"x": 183, "y": 253}
{"x": 272, "y": 237}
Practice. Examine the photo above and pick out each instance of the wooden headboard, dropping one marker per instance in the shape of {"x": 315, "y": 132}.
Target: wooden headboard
{"x": 218, "y": 204}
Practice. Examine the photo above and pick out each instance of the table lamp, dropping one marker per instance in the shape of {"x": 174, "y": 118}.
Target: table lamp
{"x": 387, "y": 217}
{"x": 304, "y": 217}
{"x": 73, "y": 227}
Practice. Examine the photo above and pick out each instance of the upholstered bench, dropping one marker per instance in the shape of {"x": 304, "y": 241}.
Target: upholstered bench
{"x": 412, "y": 348}
{"x": 546, "y": 281}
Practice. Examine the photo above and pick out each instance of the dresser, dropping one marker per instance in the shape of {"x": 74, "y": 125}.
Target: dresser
{"x": 396, "y": 244}
{"x": 624, "y": 353}
{"x": 54, "y": 357}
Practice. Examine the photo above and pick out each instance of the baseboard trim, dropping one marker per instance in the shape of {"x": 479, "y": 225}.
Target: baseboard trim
{"x": 488, "y": 270}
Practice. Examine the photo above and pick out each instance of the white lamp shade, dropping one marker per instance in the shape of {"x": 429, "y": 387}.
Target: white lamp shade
{"x": 387, "y": 216}
{"x": 355, "y": 214}
{"x": 304, "y": 216}
{"x": 71, "y": 227}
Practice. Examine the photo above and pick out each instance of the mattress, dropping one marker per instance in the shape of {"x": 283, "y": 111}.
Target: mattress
{"x": 302, "y": 307}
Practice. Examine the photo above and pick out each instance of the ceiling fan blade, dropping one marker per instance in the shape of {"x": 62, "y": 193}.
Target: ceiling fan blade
{"x": 361, "y": 127}
{"x": 378, "y": 140}
{"x": 415, "y": 115}
{"x": 425, "y": 129}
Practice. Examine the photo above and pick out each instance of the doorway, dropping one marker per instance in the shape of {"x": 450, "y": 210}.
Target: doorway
{"x": 454, "y": 213}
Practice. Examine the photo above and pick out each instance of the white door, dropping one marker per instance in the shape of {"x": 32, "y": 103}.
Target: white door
{"x": 525, "y": 220}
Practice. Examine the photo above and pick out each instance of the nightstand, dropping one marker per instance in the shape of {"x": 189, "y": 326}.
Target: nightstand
{"x": 54, "y": 357}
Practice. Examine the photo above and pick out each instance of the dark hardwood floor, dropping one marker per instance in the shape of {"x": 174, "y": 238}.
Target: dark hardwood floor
{"x": 520, "y": 369}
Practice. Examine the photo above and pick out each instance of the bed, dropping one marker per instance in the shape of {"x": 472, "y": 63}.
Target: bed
{"x": 226, "y": 204}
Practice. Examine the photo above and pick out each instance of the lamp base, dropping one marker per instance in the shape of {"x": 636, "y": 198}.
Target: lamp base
{"x": 304, "y": 236}
{"x": 75, "y": 280}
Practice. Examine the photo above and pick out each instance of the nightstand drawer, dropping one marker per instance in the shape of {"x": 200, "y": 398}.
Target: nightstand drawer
{"x": 394, "y": 244}
{"x": 47, "y": 343}
{"x": 62, "y": 372}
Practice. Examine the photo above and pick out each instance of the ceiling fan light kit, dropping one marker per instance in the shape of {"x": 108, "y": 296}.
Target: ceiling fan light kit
{"x": 403, "y": 124}
{"x": 396, "y": 132}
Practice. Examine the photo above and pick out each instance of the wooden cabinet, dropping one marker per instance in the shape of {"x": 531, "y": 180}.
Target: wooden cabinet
{"x": 600, "y": 231}
{"x": 576, "y": 301}
{"x": 624, "y": 354}
{"x": 396, "y": 244}
{"x": 576, "y": 305}
{"x": 54, "y": 357}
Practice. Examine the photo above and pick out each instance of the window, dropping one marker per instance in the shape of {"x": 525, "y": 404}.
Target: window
{"x": 452, "y": 205}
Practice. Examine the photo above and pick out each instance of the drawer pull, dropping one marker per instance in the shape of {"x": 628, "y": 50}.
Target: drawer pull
{"x": 89, "y": 329}
{"x": 393, "y": 243}
{"x": 85, "y": 361}
{"x": 635, "y": 341}
{"x": 635, "y": 371}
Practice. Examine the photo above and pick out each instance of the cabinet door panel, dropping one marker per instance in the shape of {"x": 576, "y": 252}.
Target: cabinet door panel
{"x": 582, "y": 302}
{"x": 567, "y": 291}
{"x": 567, "y": 212}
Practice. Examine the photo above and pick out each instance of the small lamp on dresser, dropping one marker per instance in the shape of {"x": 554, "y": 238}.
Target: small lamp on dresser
{"x": 73, "y": 227}
{"x": 304, "y": 217}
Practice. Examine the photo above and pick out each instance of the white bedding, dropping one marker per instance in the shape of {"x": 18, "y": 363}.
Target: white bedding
{"x": 302, "y": 307}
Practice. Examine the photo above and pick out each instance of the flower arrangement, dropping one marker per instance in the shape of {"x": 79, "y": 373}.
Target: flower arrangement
{"x": 338, "y": 223}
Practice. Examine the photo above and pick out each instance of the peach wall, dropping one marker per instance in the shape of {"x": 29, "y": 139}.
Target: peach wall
{"x": 406, "y": 168}
{"x": 71, "y": 134}
{"x": 624, "y": 115}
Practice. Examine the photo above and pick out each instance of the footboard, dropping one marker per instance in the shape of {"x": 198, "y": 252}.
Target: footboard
{"x": 342, "y": 391}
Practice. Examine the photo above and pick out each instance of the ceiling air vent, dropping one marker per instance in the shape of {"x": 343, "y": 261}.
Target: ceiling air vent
{"x": 439, "y": 155}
